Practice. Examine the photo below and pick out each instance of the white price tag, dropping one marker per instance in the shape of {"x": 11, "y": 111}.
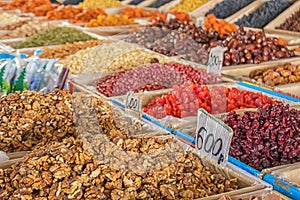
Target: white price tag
{"x": 132, "y": 102}
{"x": 215, "y": 60}
{"x": 200, "y": 22}
{"x": 170, "y": 16}
{"x": 213, "y": 138}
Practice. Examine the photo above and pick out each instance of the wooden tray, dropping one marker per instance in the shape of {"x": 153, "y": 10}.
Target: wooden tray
{"x": 271, "y": 27}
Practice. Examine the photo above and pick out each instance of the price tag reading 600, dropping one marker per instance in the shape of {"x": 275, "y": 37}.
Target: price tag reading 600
{"x": 213, "y": 138}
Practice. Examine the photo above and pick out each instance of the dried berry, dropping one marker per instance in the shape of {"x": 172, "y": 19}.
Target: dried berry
{"x": 152, "y": 77}
{"x": 227, "y": 8}
{"x": 292, "y": 23}
{"x": 264, "y": 14}
{"x": 184, "y": 100}
{"x": 266, "y": 138}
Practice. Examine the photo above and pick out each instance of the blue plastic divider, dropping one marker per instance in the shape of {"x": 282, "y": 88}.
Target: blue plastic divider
{"x": 283, "y": 187}
{"x": 267, "y": 91}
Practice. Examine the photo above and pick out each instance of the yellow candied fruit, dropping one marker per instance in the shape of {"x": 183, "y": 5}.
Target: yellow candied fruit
{"x": 100, "y": 4}
{"x": 188, "y": 5}
{"x": 110, "y": 20}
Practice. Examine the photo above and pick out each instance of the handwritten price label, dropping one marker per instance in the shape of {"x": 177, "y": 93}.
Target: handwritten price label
{"x": 200, "y": 22}
{"x": 215, "y": 60}
{"x": 133, "y": 102}
{"x": 213, "y": 138}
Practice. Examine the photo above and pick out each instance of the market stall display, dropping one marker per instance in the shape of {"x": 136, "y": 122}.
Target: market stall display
{"x": 157, "y": 90}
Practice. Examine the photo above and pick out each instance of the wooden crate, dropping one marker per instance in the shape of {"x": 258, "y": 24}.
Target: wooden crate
{"x": 271, "y": 27}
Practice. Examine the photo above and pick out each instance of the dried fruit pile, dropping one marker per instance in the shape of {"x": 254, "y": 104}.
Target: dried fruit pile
{"x": 68, "y": 170}
{"x": 292, "y": 23}
{"x": 65, "y": 50}
{"x": 110, "y": 20}
{"x": 31, "y": 118}
{"x": 211, "y": 23}
{"x": 37, "y": 7}
{"x": 227, "y": 8}
{"x": 266, "y": 138}
{"x": 280, "y": 75}
{"x": 175, "y": 38}
{"x": 74, "y": 14}
{"x": 188, "y": 5}
{"x": 247, "y": 47}
{"x": 264, "y": 14}
{"x": 184, "y": 100}
{"x": 152, "y": 77}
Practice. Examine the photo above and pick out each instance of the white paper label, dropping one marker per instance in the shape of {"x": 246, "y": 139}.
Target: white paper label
{"x": 133, "y": 102}
{"x": 200, "y": 22}
{"x": 170, "y": 16}
{"x": 3, "y": 156}
{"x": 213, "y": 138}
{"x": 215, "y": 60}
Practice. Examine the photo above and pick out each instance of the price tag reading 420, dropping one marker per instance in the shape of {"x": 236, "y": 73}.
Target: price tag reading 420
{"x": 215, "y": 60}
{"x": 132, "y": 102}
{"x": 213, "y": 138}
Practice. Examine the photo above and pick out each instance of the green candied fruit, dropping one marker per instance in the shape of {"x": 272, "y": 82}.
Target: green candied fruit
{"x": 55, "y": 36}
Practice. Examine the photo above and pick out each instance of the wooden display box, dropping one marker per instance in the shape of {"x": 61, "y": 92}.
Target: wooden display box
{"x": 271, "y": 27}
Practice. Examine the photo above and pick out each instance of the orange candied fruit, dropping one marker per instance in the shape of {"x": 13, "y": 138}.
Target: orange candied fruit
{"x": 211, "y": 23}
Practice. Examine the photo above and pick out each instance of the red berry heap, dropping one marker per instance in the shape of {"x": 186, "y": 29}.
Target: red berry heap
{"x": 185, "y": 100}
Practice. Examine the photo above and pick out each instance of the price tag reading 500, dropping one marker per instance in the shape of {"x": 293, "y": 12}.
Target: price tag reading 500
{"x": 213, "y": 138}
{"x": 133, "y": 102}
{"x": 215, "y": 60}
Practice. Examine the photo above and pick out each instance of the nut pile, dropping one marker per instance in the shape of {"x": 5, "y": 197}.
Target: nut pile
{"x": 76, "y": 62}
{"x": 266, "y": 138}
{"x": 55, "y": 36}
{"x": 8, "y": 19}
{"x": 74, "y": 14}
{"x": 97, "y": 169}
{"x": 135, "y": 58}
{"x": 184, "y": 100}
{"x": 227, "y": 8}
{"x": 264, "y": 14}
{"x": 29, "y": 29}
{"x": 67, "y": 170}
{"x": 68, "y": 49}
{"x": 152, "y": 77}
{"x": 31, "y": 118}
{"x": 102, "y": 56}
{"x": 188, "y": 5}
{"x": 14, "y": 25}
{"x": 284, "y": 74}
{"x": 292, "y": 23}
{"x": 247, "y": 47}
